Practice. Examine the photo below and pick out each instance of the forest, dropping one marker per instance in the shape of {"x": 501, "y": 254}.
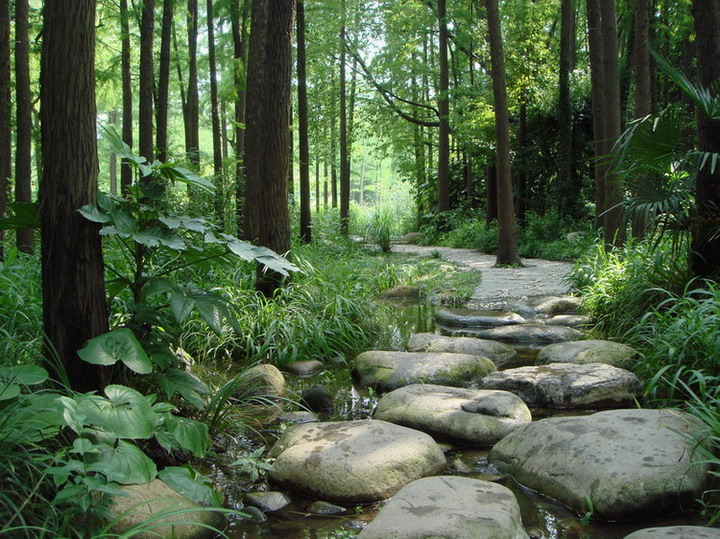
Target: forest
{"x": 205, "y": 206}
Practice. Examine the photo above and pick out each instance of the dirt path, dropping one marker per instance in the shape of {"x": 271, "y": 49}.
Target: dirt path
{"x": 500, "y": 286}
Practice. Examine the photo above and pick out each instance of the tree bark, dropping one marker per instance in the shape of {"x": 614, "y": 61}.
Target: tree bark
{"x": 192, "y": 106}
{"x": 161, "y": 144}
{"x": 74, "y": 304}
{"x": 266, "y": 143}
{"x": 23, "y": 123}
{"x": 112, "y": 158}
{"x": 126, "y": 173}
{"x": 643, "y": 98}
{"x": 325, "y": 186}
{"x": 344, "y": 150}
{"x": 568, "y": 194}
{"x": 240, "y": 39}
{"x": 305, "y": 219}
{"x": 219, "y": 201}
{"x": 522, "y": 198}
{"x": 443, "y": 201}
{"x": 145, "y": 122}
{"x": 5, "y": 132}
{"x": 598, "y": 106}
{"x": 507, "y": 253}
{"x": 705, "y": 259}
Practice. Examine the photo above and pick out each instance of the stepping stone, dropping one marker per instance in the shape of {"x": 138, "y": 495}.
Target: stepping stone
{"x": 569, "y": 320}
{"x": 267, "y": 502}
{"x": 450, "y": 507}
{"x": 305, "y": 368}
{"x": 476, "y": 318}
{"x": 465, "y": 416}
{"x": 148, "y": 501}
{"x": 390, "y": 370}
{"x": 630, "y": 464}
{"x": 676, "y": 532}
{"x": 554, "y": 305}
{"x": 353, "y": 461}
{"x": 566, "y": 385}
{"x": 498, "y": 352}
{"x": 403, "y": 292}
{"x": 265, "y": 380}
{"x": 590, "y": 351}
{"x": 530, "y": 334}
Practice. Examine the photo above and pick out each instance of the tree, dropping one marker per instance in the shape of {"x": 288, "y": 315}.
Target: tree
{"x": 305, "y": 224}
{"x": 192, "y": 105}
{"x": 598, "y": 105}
{"x": 344, "y": 142}
{"x": 161, "y": 144}
{"x": 239, "y": 31}
{"x": 507, "y": 253}
{"x": 443, "y": 201}
{"x": 266, "y": 141}
{"x": 23, "y": 122}
{"x": 215, "y": 118}
{"x": 5, "y": 132}
{"x": 74, "y": 304}
{"x": 643, "y": 98}
{"x": 145, "y": 121}
{"x": 705, "y": 260}
{"x": 568, "y": 188}
{"x": 127, "y": 94}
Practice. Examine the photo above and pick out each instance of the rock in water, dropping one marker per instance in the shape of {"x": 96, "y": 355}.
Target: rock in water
{"x": 533, "y": 334}
{"x": 477, "y": 318}
{"x": 630, "y": 464}
{"x": 449, "y": 507}
{"x": 353, "y": 461}
{"x": 566, "y": 385}
{"x": 390, "y": 370}
{"x": 497, "y": 352}
{"x": 676, "y": 532}
{"x": 465, "y": 416}
{"x": 590, "y": 351}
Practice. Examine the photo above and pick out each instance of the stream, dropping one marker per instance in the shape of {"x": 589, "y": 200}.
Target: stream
{"x": 542, "y": 517}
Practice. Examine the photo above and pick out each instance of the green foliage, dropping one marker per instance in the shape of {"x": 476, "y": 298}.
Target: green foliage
{"x": 380, "y": 230}
{"x": 253, "y": 465}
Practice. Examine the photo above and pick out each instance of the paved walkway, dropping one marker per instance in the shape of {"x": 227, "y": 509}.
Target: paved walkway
{"x": 500, "y": 286}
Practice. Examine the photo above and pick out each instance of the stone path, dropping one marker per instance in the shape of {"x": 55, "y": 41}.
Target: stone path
{"x": 500, "y": 286}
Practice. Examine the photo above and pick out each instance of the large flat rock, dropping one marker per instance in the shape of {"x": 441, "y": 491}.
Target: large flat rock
{"x": 477, "y": 318}
{"x": 464, "y": 416}
{"x": 390, "y": 370}
{"x": 498, "y": 352}
{"x": 567, "y": 385}
{"x": 449, "y": 507}
{"x": 525, "y": 334}
{"x": 590, "y": 351}
{"x": 630, "y": 464}
{"x": 353, "y": 461}
{"x": 676, "y": 532}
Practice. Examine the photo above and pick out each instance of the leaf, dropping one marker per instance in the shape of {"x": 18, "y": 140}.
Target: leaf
{"x": 117, "y": 345}
{"x": 124, "y": 221}
{"x": 27, "y": 375}
{"x": 26, "y": 215}
{"x": 190, "y": 387}
{"x": 124, "y": 464}
{"x": 181, "y": 306}
{"x": 171, "y": 222}
{"x": 241, "y": 249}
{"x": 126, "y": 413}
{"x": 186, "y": 481}
{"x": 209, "y": 310}
{"x": 92, "y": 213}
{"x": 190, "y": 434}
{"x": 155, "y": 286}
{"x": 9, "y": 391}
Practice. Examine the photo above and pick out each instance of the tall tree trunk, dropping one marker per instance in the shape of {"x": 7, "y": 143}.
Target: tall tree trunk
{"x": 614, "y": 214}
{"x": 317, "y": 184}
{"x": 215, "y": 118}
{"x": 705, "y": 258}
{"x": 507, "y": 252}
{"x": 161, "y": 144}
{"x": 325, "y": 186}
{"x": 598, "y": 106}
{"x": 192, "y": 112}
{"x": 522, "y": 176}
{"x": 443, "y": 201}
{"x": 266, "y": 143}
{"x": 305, "y": 223}
{"x": 491, "y": 200}
{"x": 126, "y": 172}
{"x": 5, "y": 132}
{"x": 568, "y": 194}
{"x": 112, "y": 158}
{"x": 643, "y": 98}
{"x": 344, "y": 150}
{"x": 145, "y": 123}
{"x": 23, "y": 123}
{"x": 74, "y": 304}
{"x": 240, "y": 39}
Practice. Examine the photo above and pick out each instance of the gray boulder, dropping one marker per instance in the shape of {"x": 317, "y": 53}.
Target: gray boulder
{"x": 465, "y": 416}
{"x": 266, "y": 380}
{"x": 498, "y": 352}
{"x": 403, "y": 292}
{"x": 590, "y": 351}
{"x": 267, "y": 501}
{"x": 448, "y": 507}
{"x": 629, "y": 464}
{"x": 305, "y": 368}
{"x": 531, "y": 334}
{"x": 353, "y": 461}
{"x": 390, "y": 370}
{"x": 570, "y": 320}
{"x": 154, "y": 499}
{"x": 676, "y": 532}
{"x": 477, "y": 318}
{"x": 566, "y": 385}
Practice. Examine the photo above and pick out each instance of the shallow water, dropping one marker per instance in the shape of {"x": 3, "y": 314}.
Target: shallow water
{"x": 541, "y": 516}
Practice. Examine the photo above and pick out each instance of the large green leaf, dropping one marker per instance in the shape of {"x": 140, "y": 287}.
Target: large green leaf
{"x": 124, "y": 221}
{"x": 123, "y": 463}
{"x": 190, "y": 434}
{"x": 190, "y": 387}
{"x": 27, "y": 375}
{"x": 92, "y": 213}
{"x": 186, "y": 481}
{"x": 181, "y": 306}
{"x": 125, "y": 413}
{"x": 210, "y": 310}
{"x": 26, "y": 215}
{"x": 117, "y": 345}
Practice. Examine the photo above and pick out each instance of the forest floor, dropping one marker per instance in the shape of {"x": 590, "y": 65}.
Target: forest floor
{"x": 500, "y": 286}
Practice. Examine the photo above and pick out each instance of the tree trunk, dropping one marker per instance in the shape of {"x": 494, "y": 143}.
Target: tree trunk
{"x": 491, "y": 200}
{"x": 568, "y": 194}
{"x": 266, "y": 143}
{"x": 192, "y": 112}
{"x": 126, "y": 172}
{"x": 614, "y": 214}
{"x": 161, "y": 144}
{"x": 522, "y": 176}
{"x": 317, "y": 184}
{"x": 643, "y": 98}
{"x": 240, "y": 39}
{"x": 305, "y": 223}
{"x": 23, "y": 104}
{"x": 5, "y": 130}
{"x": 325, "y": 186}
{"x": 344, "y": 150}
{"x": 705, "y": 260}
{"x": 74, "y": 304}
{"x": 219, "y": 201}
{"x": 145, "y": 123}
{"x": 507, "y": 253}
{"x": 598, "y": 106}
{"x": 112, "y": 158}
{"x": 443, "y": 201}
